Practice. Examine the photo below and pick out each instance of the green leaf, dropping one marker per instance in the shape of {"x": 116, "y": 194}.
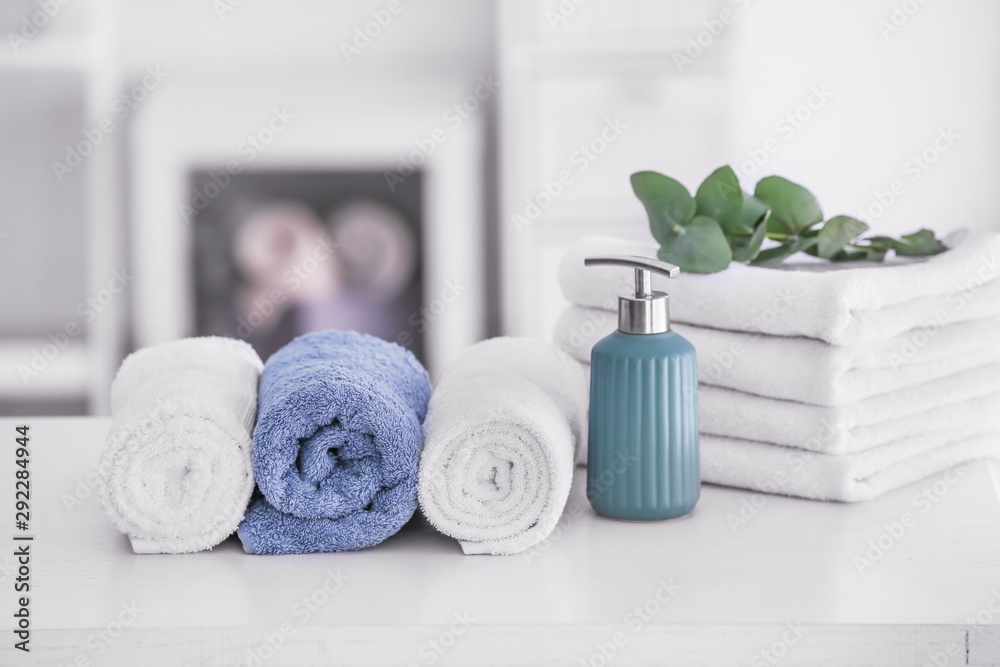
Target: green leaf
{"x": 787, "y": 249}
{"x": 668, "y": 203}
{"x": 793, "y": 208}
{"x": 719, "y": 197}
{"x": 753, "y": 210}
{"x": 747, "y": 247}
{"x": 838, "y": 232}
{"x": 918, "y": 244}
{"x": 844, "y": 255}
{"x": 872, "y": 249}
{"x": 875, "y": 254}
{"x": 700, "y": 247}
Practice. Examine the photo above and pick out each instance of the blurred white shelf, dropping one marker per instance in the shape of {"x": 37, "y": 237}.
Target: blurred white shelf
{"x": 84, "y": 36}
{"x": 792, "y": 565}
{"x": 65, "y": 375}
{"x": 59, "y": 34}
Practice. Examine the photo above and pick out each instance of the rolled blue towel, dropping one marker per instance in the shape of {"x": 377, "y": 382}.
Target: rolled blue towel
{"x": 337, "y": 444}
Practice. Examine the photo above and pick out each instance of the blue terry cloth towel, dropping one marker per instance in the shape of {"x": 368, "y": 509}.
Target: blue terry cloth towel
{"x": 337, "y": 444}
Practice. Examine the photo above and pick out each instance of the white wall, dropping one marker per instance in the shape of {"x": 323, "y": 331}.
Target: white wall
{"x": 890, "y": 96}
{"x": 888, "y": 99}
{"x": 266, "y": 37}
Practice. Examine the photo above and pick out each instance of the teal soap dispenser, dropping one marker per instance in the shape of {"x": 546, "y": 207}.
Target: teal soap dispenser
{"x": 643, "y": 462}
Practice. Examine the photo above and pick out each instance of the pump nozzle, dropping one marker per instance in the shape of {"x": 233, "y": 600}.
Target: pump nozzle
{"x": 642, "y": 266}
{"x": 646, "y": 312}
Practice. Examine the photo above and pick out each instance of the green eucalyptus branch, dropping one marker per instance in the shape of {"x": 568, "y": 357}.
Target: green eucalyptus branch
{"x": 721, "y": 224}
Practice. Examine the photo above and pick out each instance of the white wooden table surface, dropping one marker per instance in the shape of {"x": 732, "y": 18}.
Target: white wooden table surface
{"x": 784, "y": 587}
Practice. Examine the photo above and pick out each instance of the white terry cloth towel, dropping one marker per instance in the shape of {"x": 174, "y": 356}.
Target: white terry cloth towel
{"x": 967, "y": 398}
{"x": 806, "y": 369}
{"x": 846, "y": 478}
{"x": 176, "y": 471}
{"x": 840, "y": 303}
{"x": 500, "y": 440}
{"x": 847, "y": 454}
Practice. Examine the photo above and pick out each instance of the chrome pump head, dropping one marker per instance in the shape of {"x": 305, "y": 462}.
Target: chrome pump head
{"x": 646, "y": 312}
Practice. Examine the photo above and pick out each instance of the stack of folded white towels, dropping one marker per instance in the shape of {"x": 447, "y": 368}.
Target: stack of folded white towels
{"x": 827, "y": 381}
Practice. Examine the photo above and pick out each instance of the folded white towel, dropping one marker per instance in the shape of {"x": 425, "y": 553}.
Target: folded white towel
{"x": 806, "y": 369}
{"x": 846, "y": 478}
{"x": 967, "y": 398}
{"x": 500, "y": 439}
{"x": 840, "y": 303}
{"x": 176, "y": 471}
{"x": 848, "y": 453}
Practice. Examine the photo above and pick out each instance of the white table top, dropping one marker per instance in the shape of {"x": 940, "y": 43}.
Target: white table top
{"x": 794, "y": 561}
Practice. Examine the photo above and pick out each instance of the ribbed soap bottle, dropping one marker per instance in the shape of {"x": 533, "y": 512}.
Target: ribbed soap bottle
{"x": 643, "y": 462}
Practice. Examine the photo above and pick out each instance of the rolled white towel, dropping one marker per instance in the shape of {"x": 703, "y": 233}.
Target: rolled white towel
{"x": 841, "y": 303}
{"x": 504, "y": 426}
{"x": 805, "y": 369}
{"x": 176, "y": 471}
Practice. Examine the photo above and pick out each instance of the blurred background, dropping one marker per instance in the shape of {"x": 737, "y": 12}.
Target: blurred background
{"x": 414, "y": 169}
